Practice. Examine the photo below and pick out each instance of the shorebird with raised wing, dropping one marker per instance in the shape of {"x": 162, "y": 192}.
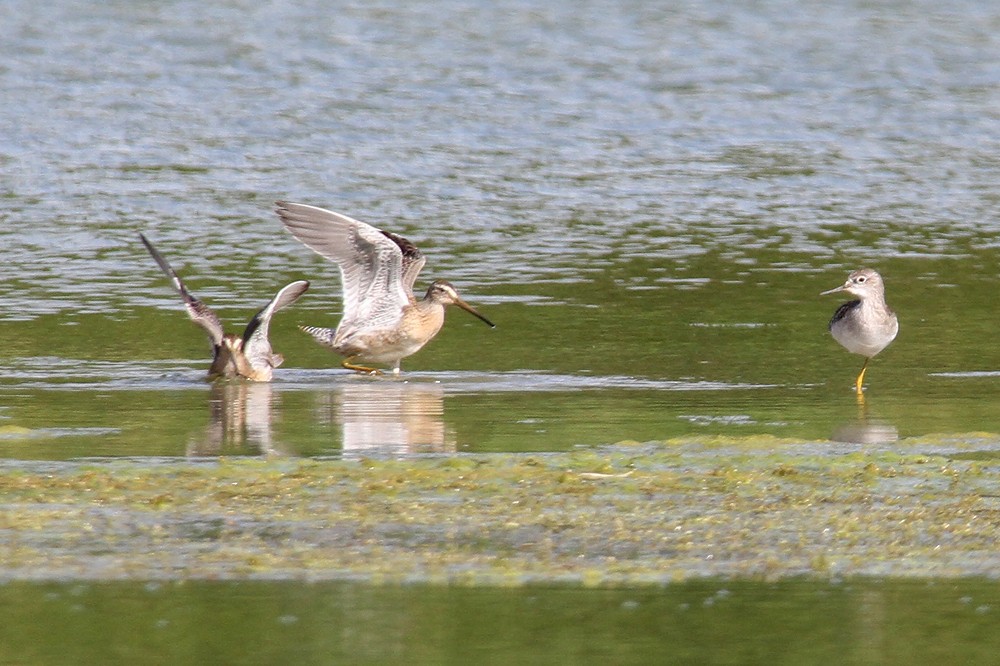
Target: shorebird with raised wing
{"x": 250, "y": 355}
{"x": 383, "y": 322}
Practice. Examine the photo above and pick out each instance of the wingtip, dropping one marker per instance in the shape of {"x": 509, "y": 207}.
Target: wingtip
{"x": 299, "y": 287}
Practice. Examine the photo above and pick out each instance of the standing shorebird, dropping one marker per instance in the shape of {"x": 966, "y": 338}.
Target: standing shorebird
{"x": 249, "y": 355}
{"x": 865, "y": 326}
{"x": 383, "y": 322}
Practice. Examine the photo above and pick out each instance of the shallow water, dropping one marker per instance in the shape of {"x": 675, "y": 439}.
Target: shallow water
{"x": 646, "y": 198}
{"x": 791, "y": 622}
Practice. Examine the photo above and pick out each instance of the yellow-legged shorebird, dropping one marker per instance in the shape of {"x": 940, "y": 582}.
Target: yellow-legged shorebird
{"x": 383, "y": 322}
{"x": 867, "y": 325}
{"x": 249, "y": 355}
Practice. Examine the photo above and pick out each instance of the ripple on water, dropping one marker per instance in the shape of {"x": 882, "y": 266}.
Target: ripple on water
{"x": 69, "y": 374}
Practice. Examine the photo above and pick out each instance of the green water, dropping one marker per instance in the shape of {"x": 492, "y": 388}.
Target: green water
{"x": 848, "y": 622}
{"x": 593, "y": 362}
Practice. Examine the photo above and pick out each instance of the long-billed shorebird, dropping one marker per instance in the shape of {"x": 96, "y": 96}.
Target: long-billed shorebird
{"x": 383, "y": 322}
{"x": 249, "y": 355}
{"x": 865, "y": 326}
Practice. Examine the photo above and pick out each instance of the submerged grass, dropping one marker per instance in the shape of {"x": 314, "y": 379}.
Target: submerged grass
{"x": 630, "y": 513}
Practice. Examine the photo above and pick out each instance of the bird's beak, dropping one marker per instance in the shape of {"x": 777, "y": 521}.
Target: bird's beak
{"x": 842, "y": 287}
{"x": 471, "y": 310}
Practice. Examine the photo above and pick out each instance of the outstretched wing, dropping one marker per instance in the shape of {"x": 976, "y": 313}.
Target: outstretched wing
{"x": 256, "y": 345}
{"x": 200, "y": 313}
{"x": 371, "y": 262}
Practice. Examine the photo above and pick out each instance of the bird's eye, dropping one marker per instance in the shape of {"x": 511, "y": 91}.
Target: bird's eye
{"x": 860, "y": 279}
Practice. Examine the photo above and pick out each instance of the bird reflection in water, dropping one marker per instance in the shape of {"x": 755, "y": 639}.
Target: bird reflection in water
{"x": 865, "y": 429}
{"x": 240, "y": 421}
{"x": 865, "y": 432}
{"x": 389, "y": 418}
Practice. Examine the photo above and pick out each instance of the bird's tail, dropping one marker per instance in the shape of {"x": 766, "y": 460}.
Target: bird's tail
{"x": 324, "y": 336}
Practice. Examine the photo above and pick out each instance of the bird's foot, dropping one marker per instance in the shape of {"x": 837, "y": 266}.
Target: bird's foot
{"x": 360, "y": 368}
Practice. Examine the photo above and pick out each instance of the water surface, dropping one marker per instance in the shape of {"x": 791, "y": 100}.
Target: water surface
{"x": 791, "y": 622}
{"x": 646, "y": 197}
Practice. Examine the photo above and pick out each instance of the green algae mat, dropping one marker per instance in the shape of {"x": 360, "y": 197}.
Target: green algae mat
{"x": 626, "y": 514}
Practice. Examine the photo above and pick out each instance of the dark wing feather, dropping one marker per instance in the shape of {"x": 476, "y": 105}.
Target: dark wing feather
{"x": 842, "y": 312}
{"x": 256, "y": 345}
{"x": 413, "y": 259}
{"x": 200, "y": 313}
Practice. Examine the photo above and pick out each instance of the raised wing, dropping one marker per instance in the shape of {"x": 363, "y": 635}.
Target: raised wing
{"x": 413, "y": 259}
{"x": 371, "y": 262}
{"x": 200, "y": 313}
{"x": 256, "y": 345}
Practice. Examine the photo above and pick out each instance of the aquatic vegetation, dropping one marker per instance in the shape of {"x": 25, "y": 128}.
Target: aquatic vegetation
{"x": 631, "y": 513}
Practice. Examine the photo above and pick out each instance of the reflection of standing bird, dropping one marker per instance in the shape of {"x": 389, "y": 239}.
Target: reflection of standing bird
{"x": 390, "y": 419}
{"x": 382, "y": 322}
{"x": 865, "y": 326}
{"x": 248, "y": 356}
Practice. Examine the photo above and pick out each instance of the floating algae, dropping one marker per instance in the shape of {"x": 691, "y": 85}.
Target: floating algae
{"x": 632, "y": 513}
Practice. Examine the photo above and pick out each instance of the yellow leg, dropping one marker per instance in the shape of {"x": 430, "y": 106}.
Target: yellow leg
{"x": 359, "y": 368}
{"x": 861, "y": 377}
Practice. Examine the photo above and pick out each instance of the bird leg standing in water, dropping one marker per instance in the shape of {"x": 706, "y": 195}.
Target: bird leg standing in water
{"x": 861, "y": 376}
{"x": 346, "y": 363}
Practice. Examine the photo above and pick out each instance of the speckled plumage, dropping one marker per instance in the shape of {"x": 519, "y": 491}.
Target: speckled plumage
{"x": 383, "y": 322}
{"x": 250, "y": 355}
